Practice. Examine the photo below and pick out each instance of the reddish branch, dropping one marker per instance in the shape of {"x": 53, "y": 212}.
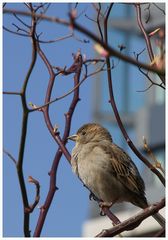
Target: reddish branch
{"x": 37, "y": 197}
{"x": 112, "y": 100}
{"x": 132, "y": 222}
{"x": 114, "y": 107}
{"x": 124, "y": 132}
{"x": 147, "y": 39}
{"x": 56, "y": 136}
{"x": 75, "y": 68}
{"x": 115, "y": 220}
{"x": 63, "y": 71}
{"x": 19, "y": 164}
{"x": 98, "y": 20}
{"x": 111, "y": 51}
{"x": 146, "y": 74}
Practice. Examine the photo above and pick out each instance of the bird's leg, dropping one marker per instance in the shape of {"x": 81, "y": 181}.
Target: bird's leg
{"x": 104, "y": 204}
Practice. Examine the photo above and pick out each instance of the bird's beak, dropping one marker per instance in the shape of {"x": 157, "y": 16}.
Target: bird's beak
{"x": 73, "y": 137}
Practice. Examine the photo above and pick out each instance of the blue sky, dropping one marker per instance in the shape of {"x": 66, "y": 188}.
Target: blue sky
{"x": 70, "y": 206}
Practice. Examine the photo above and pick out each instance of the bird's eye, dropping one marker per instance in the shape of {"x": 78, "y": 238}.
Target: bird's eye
{"x": 83, "y": 133}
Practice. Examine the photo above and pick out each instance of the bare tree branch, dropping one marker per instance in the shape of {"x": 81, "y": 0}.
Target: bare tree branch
{"x": 146, "y": 74}
{"x": 132, "y": 222}
{"x": 36, "y": 108}
{"x": 10, "y": 156}
{"x": 61, "y": 142}
{"x": 111, "y": 51}
{"x": 157, "y": 164}
{"x": 24, "y": 133}
{"x": 37, "y": 14}
{"x": 147, "y": 39}
{"x": 37, "y": 197}
{"x": 11, "y": 93}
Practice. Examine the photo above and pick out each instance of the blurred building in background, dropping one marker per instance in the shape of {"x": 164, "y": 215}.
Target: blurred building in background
{"x": 142, "y": 111}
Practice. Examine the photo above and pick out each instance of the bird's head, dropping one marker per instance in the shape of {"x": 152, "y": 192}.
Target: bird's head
{"x": 91, "y": 132}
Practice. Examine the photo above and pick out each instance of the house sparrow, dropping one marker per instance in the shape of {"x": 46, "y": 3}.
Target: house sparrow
{"x": 105, "y": 168}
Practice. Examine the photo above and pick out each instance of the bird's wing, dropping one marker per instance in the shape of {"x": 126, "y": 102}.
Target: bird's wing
{"x": 123, "y": 168}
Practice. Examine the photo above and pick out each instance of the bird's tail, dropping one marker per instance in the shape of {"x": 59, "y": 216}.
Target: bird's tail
{"x": 159, "y": 218}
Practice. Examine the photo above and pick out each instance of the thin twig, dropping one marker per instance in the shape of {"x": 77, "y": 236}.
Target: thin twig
{"x": 56, "y": 39}
{"x": 147, "y": 39}
{"x": 24, "y": 133}
{"x": 37, "y": 15}
{"x": 98, "y": 21}
{"x": 146, "y": 74}
{"x": 19, "y": 28}
{"x": 36, "y": 108}
{"x": 157, "y": 164}
{"x": 11, "y": 93}
{"x": 114, "y": 219}
{"x": 14, "y": 32}
{"x": 146, "y": 89}
{"x": 111, "y": 51}
{"x": 119, "y": 121}
{"x": 10, "y": 156}
{"x": 162, "y": 10}
{"x": 55, "y": 134}
{"x": 37, "y": 197}
{"x": 21, "y": 21}
{"x": 152, "y": 82}
{"x": 91, "y": 19}
{"x": 149, "y": 15}
{"x": 97, "y": 9}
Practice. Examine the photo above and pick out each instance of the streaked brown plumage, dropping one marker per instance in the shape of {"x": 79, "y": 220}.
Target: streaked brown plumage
{"x": 105, "y": 168}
